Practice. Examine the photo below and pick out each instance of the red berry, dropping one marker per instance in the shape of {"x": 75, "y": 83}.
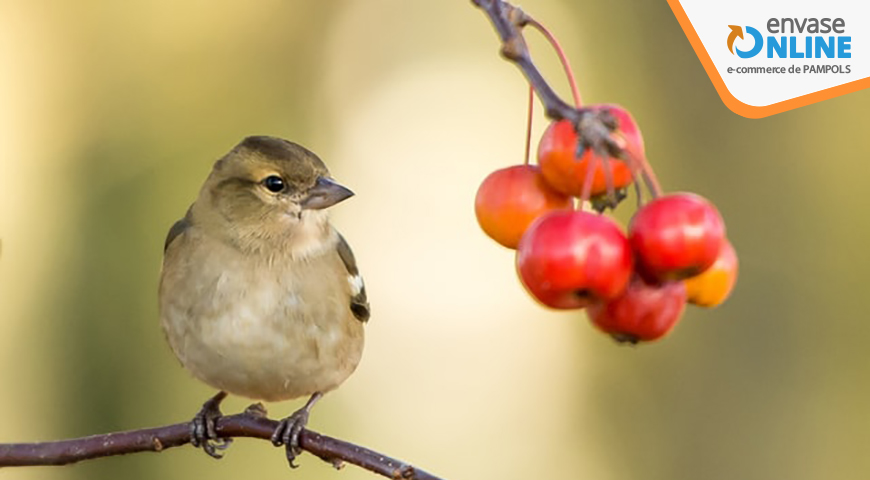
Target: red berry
{"x": 557, "y": 155}
{"x": 712, "y": 287}
{"x": 571, "y": 259}
{"x": 642, "y": 313}
{"x": 676, "y": 236}
{"x": 509, "y": 200}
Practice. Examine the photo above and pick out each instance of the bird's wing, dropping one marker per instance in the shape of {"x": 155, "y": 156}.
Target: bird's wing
{"x": 177, "y": 229}
{"x": 359, "y": 303}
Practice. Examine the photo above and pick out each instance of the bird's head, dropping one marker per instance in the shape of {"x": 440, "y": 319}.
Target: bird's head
{"x": 267, "y": 188}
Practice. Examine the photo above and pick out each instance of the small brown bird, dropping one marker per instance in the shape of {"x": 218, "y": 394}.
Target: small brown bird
{"x": 259, "y": 295}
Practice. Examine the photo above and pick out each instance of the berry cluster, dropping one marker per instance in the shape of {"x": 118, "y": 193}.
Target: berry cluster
{"x": 634, "y": 285}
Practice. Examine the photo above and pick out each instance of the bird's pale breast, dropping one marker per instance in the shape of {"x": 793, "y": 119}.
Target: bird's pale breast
{"x": 269, "y": 329}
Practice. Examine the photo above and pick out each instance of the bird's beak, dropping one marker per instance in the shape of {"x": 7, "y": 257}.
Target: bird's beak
{"x": 325, "y": 193}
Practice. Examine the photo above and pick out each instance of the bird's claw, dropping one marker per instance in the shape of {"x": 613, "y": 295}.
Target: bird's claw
{"x": 203, "y": 431}
{"x": 287, "y": 434}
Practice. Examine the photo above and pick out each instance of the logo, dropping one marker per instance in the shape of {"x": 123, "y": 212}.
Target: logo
{"x": 762, "y": 64}
{"x": 738, "y": 32}
{"x": 783, "y": 43}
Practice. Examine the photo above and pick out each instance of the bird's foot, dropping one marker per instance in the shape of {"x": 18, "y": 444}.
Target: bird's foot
{"x": 288, "y": 430}
{"x": 203, "y": 433}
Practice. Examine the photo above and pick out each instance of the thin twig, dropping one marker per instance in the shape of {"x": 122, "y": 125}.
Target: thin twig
{"x": 593, "y": 126}
{"x": 529, "y": 116}
{"x": 332, "y": 450}
{"x": 508, "y": 20}
{"x": 566, "y": 65}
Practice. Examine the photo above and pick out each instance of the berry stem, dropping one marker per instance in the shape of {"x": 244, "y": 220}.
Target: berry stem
{"x": 608, "y": 181}
{"x": 637, "y": 189}
{"x": 575, "y": 91}
{"x": 640, "y": 168}
{"x": 529, "y": 124}
{"x": 594, "y": 161}
{"x": 649, "y": 176}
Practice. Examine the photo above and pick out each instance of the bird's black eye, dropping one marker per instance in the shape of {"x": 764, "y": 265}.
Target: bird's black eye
{"x": 274, "y": 183}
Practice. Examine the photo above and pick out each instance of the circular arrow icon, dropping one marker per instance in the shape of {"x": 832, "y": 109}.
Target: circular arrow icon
{"x": 737, "y": 31}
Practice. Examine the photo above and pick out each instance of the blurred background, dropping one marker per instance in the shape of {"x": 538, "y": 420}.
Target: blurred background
{"x": 111, "y": 115}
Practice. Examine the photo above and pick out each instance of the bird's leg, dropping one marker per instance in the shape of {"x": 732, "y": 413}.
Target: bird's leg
{"x": 289, "y": 429}
{"x": 202, "y": 429}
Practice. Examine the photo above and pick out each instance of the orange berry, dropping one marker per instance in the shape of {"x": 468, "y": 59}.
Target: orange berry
{"x": 714, "y": 285}
{"x": 510, "y": 199}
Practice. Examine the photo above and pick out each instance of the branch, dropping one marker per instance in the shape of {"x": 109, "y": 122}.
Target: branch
{"x": 508, "y": 22}
{"x": 65, "y": 452}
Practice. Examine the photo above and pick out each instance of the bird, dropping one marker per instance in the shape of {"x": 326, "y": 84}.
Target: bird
{"x": 259, "y": 295}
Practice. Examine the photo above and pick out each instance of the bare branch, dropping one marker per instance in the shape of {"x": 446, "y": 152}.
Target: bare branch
{"x": 65, "y": 452}
{"x": 508, "y": 22}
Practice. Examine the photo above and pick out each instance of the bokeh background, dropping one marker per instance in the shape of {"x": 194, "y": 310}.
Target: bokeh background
{"x": 111, "y": 114}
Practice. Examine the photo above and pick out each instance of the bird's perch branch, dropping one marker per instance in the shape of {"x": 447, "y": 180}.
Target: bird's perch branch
{"x": 65, "y": 452}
